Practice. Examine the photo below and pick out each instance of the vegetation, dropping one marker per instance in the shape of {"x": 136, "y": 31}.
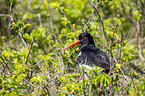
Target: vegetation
{"x": 34, "y": 32}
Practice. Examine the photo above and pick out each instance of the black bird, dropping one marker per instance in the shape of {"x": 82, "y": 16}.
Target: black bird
{"x": 89, "y": 54}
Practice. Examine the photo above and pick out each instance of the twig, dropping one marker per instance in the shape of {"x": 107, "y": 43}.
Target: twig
{"x": 10, "y": 8}
{"x": 91, "y": 82}
{"x": 78, "y": 77}
{"x": 84, "y": 82}
{"x": 97, "y": 13}
{"x": 116, "y": 25}
{"x": 91, "y": 16}
{"x": 140, "y": 53}
{"x": 29, "y": 52}
{"x": 23, "y": 39}
{"x": 9, "y": 25}
{"x": 64, "y": 67}
{"x": 120, "y": 47}
{"x": 6, "y": 64}
{"x": 87, "y": 26}
{"x": 112, "y": 42}
{"x": 65, "y": 71}
{"x": 121, "y": 70}
{"x": 46, "y": 89}
{"x": 29, "y": 82}
{"x": 113, "y": 37}
{"x": 39, "y": 18}
{"x": 51, "y": 22}
{"x": 8, "y": 16}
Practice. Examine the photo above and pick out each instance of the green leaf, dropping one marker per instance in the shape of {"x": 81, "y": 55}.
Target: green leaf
{"x": 24, "y": 52}
{"x": 27, "y": 15}
{"x": 5, "y": 83}
{"x": 28, "y": 25}
{"x": 33, "y": 79}
{"x": 53, "y": 4}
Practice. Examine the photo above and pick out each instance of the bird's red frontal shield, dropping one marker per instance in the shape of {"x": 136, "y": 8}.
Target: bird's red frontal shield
{"x": 76, "y": 42}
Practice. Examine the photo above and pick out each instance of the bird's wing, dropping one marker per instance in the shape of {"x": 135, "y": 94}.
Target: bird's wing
{"x": 102, "y": 59}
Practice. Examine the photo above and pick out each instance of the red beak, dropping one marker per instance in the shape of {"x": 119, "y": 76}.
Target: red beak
{"x": 76, "y": 42}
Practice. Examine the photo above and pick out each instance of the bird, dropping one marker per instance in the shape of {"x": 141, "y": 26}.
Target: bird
{"x": 89, "y": 54}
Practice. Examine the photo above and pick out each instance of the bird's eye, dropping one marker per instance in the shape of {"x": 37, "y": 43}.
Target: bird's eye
{"x": 83, "y": 36}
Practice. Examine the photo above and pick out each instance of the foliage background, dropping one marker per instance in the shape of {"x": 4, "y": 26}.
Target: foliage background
{"x": 34, "y": 32}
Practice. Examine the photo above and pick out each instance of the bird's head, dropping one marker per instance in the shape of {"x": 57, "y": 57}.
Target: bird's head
{"x": 84, "y": 38}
